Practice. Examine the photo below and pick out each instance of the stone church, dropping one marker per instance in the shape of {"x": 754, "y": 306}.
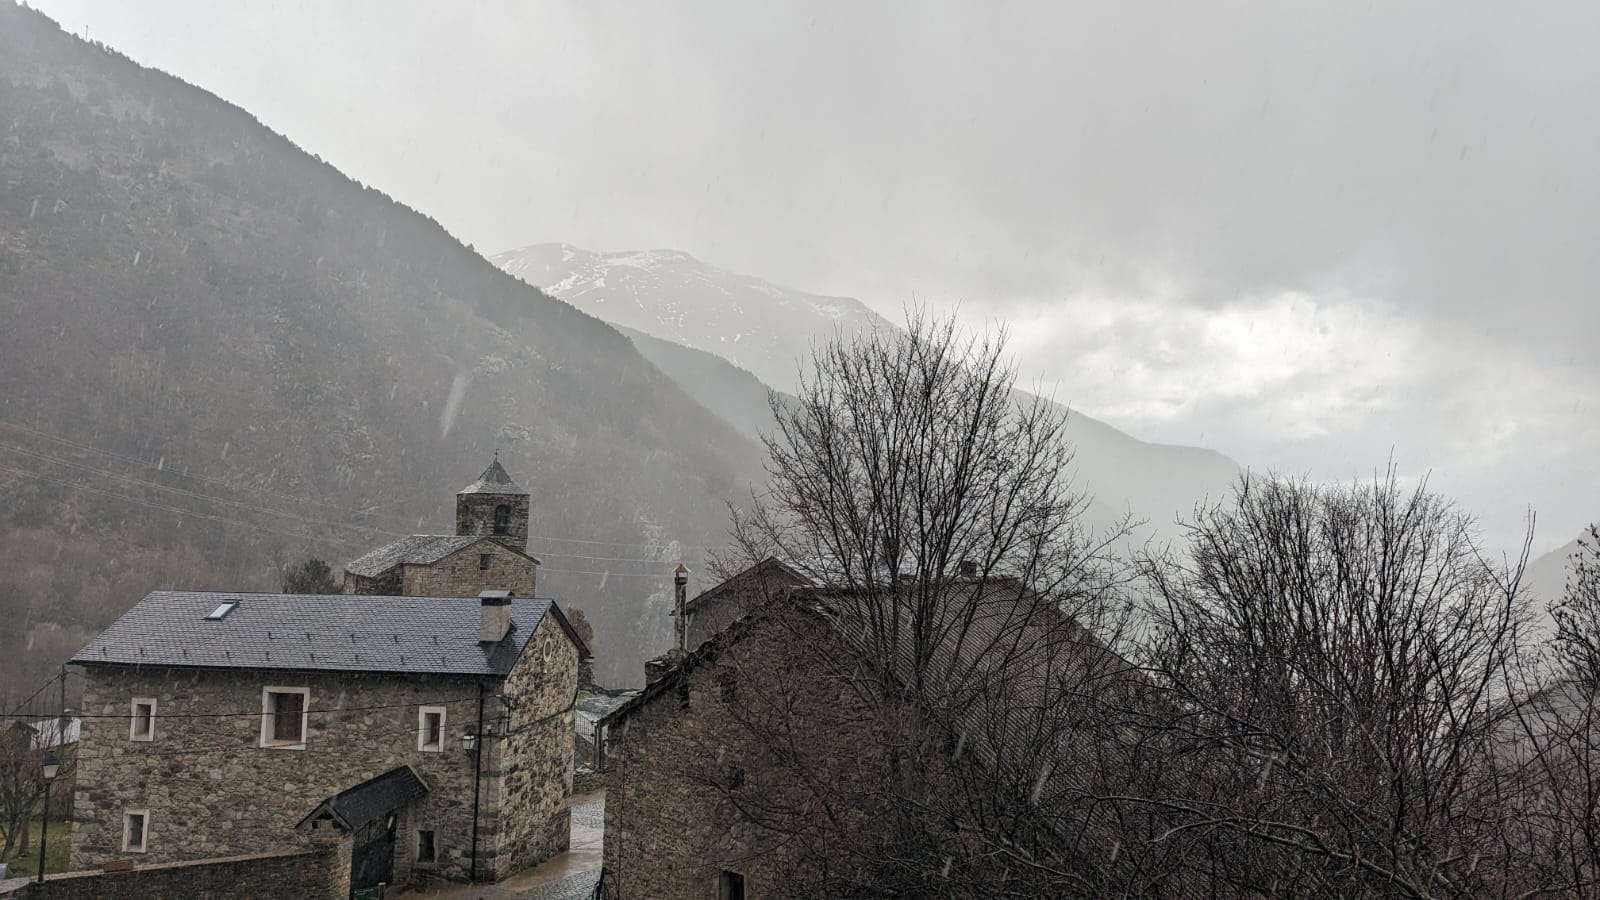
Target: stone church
{"x": 489, "y": 550}
{"x": 421, "y": 732}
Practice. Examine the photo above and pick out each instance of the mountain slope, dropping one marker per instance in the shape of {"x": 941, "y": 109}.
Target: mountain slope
{"x": 756, "y": 325}
{"x": 733, "y": 394}
{"x": 676, "y": 299}
{"x": 218, "y": 350}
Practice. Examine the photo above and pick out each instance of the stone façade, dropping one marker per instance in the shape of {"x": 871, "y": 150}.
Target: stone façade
{"x": 461, "y": 573}
{"x": 681, "y": 762}
{"x": 466, "y": 573}
{"x": 715, "y": 609}
{"x": 488, "y": 551}
{"x": 475, "y": 514}
{"x": 212, "y": 790}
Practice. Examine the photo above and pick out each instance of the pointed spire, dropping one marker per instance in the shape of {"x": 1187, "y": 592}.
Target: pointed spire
{"x": 494, "y": 480}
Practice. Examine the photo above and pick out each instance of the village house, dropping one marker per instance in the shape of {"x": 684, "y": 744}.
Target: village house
{"x": 670, "y": 831}
{"x": 434, "y": 734}
{"x": 699, "y": 619}
{"x": 488, "y": 550}
{"x": 714, "y": 751}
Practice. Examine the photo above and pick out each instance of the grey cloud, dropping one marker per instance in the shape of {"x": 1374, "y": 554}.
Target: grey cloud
{"x": 1436, "y": 157}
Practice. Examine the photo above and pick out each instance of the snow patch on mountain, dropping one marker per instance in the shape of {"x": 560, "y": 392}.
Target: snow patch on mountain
{"x": 757, "y": 325}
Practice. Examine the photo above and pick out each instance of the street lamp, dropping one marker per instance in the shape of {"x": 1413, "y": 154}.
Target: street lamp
{"x": 52, "y": 764}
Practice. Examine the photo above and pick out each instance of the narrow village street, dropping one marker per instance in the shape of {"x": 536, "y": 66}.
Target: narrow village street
{"x": 570, "y": 876}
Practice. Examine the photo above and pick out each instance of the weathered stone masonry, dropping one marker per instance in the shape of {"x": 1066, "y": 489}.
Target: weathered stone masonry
{"x": 671, "y": 768}
{"x": 321, "y": 873}
{"x": 461, "y": 575}
{"x": 212, "y": 790}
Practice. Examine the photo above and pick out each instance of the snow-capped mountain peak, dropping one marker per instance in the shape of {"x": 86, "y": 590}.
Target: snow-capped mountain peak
{"x": 754, "y": 323}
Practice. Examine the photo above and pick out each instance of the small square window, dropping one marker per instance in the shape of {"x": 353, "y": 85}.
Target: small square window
{"x": 425, "y": 851}
{"x": 135, "y": 830}
{"x": 730, "y": 886}
{"x": 283, "y": 717}
{"x": 430, "y": 729}
{"x": 483, "y": 562}
{"x": 142, "y": 726}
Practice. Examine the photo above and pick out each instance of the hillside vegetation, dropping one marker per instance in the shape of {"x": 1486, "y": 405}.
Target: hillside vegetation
{"x": 219, "y": 355}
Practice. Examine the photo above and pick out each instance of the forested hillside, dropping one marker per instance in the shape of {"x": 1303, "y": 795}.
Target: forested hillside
{"x": 219, "y": 354}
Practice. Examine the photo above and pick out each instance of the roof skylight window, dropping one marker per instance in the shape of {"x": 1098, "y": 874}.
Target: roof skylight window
{"x": 216, "y": 615}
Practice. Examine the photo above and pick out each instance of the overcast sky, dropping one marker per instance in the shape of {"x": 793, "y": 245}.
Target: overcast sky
{"x": 1309, "y": 237}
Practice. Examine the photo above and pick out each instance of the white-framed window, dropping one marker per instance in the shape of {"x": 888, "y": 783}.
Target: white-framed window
{"x": 430, "y": 728}
{"x": 142, "y": 719}
{"x": 135, "y": 830}
{"x": 427, "y": 853}
{"x": 284, "y": 717}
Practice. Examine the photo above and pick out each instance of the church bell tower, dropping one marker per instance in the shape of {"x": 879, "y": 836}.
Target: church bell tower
{"x": 496, "y": 506}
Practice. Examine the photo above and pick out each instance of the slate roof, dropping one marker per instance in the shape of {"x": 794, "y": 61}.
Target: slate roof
{"x": 494, "y": 480}
{"x": 356, "y": 806}
{"x": 317, "y": 632}
{"x": 420, "y": 549}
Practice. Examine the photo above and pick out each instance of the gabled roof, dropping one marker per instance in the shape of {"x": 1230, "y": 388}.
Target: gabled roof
{"x": 420, "y": 550}
{"x": 771, "y": 575}
{"x": 417, "y": 549}
{"x": 317, "y": 632}
{"x": 353, "y": 807}
{"x": 494, "y": 480}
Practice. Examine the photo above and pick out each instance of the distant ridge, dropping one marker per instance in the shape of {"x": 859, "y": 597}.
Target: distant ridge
{"x": 678, "y": 308}
{"x": 751, "y": 322}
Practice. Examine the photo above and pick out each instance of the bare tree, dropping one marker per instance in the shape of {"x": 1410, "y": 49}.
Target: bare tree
{"x": 1577, "y": 613}
{"x": 21, "y": 784}
{"x": 1337, "y": 665}
{"x": 961, "y": 636}
{"x": 1555, "y": 732}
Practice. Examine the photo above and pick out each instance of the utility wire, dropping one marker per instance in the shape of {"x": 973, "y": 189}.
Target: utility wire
{"x": 190, "y": 474}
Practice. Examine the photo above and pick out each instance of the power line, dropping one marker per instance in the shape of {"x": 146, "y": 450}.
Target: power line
{"x": 190, "y": 474}
{"x": 160, "y": 506}
{"x": 324, "y": 523}
{"x": 180, "y": 491}
{"x": 156, "y": 464}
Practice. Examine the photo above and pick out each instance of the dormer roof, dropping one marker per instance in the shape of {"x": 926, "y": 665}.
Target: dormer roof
{"x": 494, "y": 480}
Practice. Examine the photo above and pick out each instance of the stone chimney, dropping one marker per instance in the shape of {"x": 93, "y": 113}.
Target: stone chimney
{"x": 680, "y": 592}
{"x": 494, "y": 616}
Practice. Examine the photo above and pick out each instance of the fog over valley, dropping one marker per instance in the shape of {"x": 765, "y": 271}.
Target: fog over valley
{"x": 674, "y": 450}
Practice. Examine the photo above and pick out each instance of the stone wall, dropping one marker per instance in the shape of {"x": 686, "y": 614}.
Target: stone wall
{"x": 320, "y": 872}
{"x": 458, "y": 575}
{"x": 673, "y": 771}
{"x": 717, "y": 608}
{"x": 535, "y": 758}
{"x": 212, "y": 790}
{"x": 475, "y": 515}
